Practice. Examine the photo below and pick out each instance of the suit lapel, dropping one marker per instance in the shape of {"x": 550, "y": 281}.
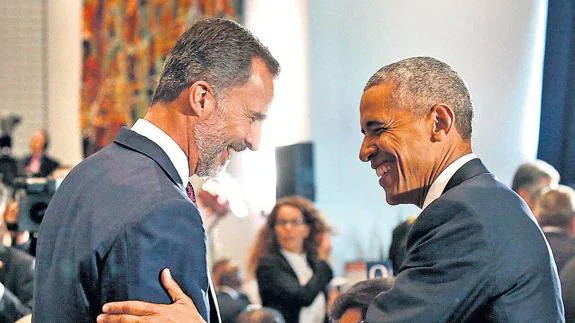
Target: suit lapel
{"x": 141, "y": 144}
{"x": 214, "y": 307}
{"x": 470, "y": 169}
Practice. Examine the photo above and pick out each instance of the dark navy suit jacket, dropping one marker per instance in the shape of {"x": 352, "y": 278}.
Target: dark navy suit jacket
{"x": 475, "y": 254}
{"x": 115, "y": 222}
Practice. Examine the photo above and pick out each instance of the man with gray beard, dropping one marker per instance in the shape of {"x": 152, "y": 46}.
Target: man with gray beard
{"x": 128, "y": 211}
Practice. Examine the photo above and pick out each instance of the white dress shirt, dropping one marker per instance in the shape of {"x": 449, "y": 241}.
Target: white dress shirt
{"x": 315, "y": 312}
{"x": 441, "y": 181}
{"x": 168, "y": 145}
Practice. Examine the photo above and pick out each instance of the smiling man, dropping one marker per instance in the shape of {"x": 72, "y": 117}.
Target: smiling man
{"x": 128, "y": 211}
{"x": 475, "y": 252}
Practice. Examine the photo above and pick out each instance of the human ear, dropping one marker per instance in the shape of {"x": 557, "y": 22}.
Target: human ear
{"x": 443, "y": 121}
{"x": 201, "y": 99}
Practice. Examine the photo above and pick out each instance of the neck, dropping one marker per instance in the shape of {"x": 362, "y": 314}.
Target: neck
{"x": 449, "y": 154}
{"x": 178, "y": 125}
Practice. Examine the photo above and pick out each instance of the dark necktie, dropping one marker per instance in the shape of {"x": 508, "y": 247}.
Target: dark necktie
{"x": 190, "y": 192}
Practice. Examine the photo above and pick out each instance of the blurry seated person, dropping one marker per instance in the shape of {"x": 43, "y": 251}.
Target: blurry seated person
{"x": 16, "y": 281}
{"x": 227, "y": 281}
{"x": 556, "y": 209}
{"x": 20, "y": 239}
{"x": 260, "y": 315}
{"x": 351, "y": 305}
{"x": 38, "y": 164}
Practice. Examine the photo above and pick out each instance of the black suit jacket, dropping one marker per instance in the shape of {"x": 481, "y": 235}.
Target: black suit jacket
{"x": 231, "y": 306}
{"x": 475, "y": 254}
{"x": 280, "y": 289}
{"x": 568, "y": 290}
{"x": 115, "y": 222}
{"x": 17, "y": 276}
{"x": 562, "y": 246}
{"x": 47, "y": 166}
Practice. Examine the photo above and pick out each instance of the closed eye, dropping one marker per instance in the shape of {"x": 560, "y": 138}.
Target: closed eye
{"x": 380, "y": 130}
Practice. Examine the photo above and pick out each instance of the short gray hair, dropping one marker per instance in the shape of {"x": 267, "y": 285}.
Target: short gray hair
{"x": 529, "y": 175}
{"x": 215, "y": 50}
{"x": 421, "y": 82}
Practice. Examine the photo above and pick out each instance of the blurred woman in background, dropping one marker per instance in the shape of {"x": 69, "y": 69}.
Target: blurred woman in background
{"x": 290, "y": 261}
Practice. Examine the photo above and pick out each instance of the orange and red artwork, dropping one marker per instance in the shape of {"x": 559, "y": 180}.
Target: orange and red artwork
{"x": 125, "y": 43}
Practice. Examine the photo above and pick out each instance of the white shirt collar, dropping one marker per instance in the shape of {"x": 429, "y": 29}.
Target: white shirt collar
{"x": 440, "y": 182}
{"x": 170, "y": 147}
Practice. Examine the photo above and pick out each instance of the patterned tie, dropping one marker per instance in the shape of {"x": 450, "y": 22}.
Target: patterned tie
{"x": 190, "y": 192}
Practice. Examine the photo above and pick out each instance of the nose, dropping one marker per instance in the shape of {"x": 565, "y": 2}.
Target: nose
{"x": 367, "y": 150}
{"x": 253, "y": 137}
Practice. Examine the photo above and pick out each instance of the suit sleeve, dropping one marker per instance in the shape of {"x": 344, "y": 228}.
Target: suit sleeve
{"x": 171, "y": 236}
{"x": 277, "y": 282}
{"x": 446, "y": 273}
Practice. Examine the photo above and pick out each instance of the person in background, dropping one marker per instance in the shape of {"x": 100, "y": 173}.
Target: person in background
{"x": 290, "y": 258}
{"x": 128, "y": 211}
{"x": 556, "y": 209}
{"x": 351, "y": 305}
{"x": 23, "y": 240}
{"x": 399, "y": 241}
{"x": 231, "y": 300}
{"x": 531, "y": 179}
{"x": 259, "y": 314}
{"x": 16, "y": 279}
{"x": 38, "y": 163}
{"x": 568, "y": 290}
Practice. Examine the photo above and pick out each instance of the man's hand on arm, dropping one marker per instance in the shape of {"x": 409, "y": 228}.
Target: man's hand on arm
{"x": 181, "y": 310}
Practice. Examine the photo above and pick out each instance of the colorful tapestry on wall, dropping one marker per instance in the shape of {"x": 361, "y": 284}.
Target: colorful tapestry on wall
{"x": 125, "y": 43}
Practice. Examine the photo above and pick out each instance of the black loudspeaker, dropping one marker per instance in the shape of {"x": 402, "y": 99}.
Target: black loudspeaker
{"x": 294, "y": 170}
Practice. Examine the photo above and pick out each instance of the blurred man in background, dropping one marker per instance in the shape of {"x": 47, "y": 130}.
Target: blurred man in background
{"x": 531, "y": 179}
{"x": 227, "y": 280}
{"x": 38, "y": 163}
{"x": 556, "y": 209}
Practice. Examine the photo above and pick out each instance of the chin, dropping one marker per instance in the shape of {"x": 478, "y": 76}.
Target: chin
{"x": 391, "y": 200}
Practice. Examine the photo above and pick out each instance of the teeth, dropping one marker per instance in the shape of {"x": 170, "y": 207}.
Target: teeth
{"x": 382, "y": 169}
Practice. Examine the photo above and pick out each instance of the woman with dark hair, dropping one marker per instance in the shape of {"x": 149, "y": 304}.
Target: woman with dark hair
{"x": 289, "y": 259}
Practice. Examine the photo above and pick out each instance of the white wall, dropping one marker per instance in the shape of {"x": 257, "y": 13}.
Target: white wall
{"x": 41, "y": 64}
{"x": 496, "y": 46}
{"x": 283, "y": 27}
{"x": 23, "y": 68}
{"x": 64, "y": 54}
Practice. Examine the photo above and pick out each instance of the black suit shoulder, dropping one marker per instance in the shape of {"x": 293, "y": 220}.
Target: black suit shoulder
{"x": 474, "y": 254}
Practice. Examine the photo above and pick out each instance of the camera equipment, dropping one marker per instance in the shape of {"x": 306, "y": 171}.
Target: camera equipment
{"x": 35, "y": 194}
{"x": 8, "y": 123}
